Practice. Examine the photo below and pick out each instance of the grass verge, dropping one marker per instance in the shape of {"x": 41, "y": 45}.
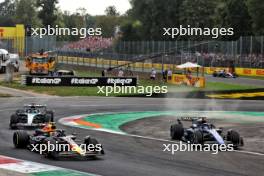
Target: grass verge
{"x": 92, "y": 91}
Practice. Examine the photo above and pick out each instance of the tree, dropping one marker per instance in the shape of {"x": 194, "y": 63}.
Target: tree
{"x": 111, "y": 11}
{"x": 197, "y": 13}
{"x": 47, "y": 11}
{"x": 153, "y": 16}
{"x": 26, "y": 13}
{"x": 256, "y": 10}
{"x": 107, "y": 23}
{"x": 235, "y": 15}
{"x": 7, "y": 12}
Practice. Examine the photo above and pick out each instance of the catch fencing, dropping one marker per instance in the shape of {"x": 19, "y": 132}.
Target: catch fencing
{"x": 246, "y": 52}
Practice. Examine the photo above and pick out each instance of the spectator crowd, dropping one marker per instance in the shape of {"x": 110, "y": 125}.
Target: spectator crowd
{"x": 89, "y": 44}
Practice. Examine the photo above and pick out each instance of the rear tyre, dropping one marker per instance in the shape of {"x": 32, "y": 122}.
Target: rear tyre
{"x": 21, "y": 139}
{"x": 233, "y": 137}
{"x": 49, "y": 116}
{"x": 2, "y": 70}
{"x": 176, "y": 132}
{"x": 13, "y": 121}
{"x": 88, "y": 141}
{"x": 52, "y": 154}
{"x": 197, "y": 137}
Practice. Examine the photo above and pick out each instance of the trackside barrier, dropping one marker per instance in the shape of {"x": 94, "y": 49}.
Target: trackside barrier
{"x": 140, "y": 66}
{"x": 189, "y": 81}
{"x": 77, "y": 81}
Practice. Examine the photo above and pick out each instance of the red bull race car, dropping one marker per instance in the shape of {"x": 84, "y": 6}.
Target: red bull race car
{"x": 54, "y": 143}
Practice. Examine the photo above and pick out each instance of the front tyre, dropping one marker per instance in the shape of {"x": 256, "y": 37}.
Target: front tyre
{"x": 21, "y": 139}
{"x": 13, "y": 121}
{"x": 49, "y": 116}
{"x": 234, "y": 138}
{"x": 176, "y": 132}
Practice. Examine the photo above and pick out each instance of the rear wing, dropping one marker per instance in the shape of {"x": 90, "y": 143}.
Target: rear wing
{"x": 189, "y": 118}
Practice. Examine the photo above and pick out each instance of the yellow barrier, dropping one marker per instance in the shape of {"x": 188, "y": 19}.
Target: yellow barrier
{"x": 17, "y": 34}
{"x": 189, "y": 81}
{"x": 239, "y": 71}
{"x": 157, "y": 66}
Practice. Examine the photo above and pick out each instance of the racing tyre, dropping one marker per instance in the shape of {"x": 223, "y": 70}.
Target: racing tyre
{"x": 49, "y": 116}
{"x": 176, "y": 132}
{"x": 89, "y": 140}
{"x": 2, "y": 70}
{"x": 233, "y": 137}
{"x": 197, "y": 137}
{"x": 17, "y": 69}
{"x": 20, "y": 139}
{"x": 52, "y": 154}
{"x": 13, "y": 121}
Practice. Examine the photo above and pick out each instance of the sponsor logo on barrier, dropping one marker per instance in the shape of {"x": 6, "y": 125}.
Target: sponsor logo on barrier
{"x": 260, "y": 72}
{"x": 84, "y": 81}
{"x": 119, "y": 81}
{"x": 1, "y": 32}
{"x": 46, "y": 80}
{"x": 247, "y": 71}
{"x": 77, "y": 81}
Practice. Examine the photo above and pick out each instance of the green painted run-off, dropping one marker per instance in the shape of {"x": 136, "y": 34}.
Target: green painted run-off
{"x": 113, "y": 121}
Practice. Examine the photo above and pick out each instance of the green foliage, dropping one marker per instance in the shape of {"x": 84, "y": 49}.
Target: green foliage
{"x": 235, "y": 14}
{"x": 111, "y": 11}
{"x": 47, "y": 11}
{"x": 26, "y": 13}
{"x": 108, "y": 24}
{"x": 256, "y": 10}
{"x": 154, "y": 15}
{"x": 145, "y": 20}
{"x": 7, "y": 12}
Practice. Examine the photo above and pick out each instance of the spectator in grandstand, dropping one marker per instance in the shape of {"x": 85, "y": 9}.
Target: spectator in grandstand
{"x": 90, "y": 44}
{"x": 153, "y": 74}
{"x": 120, "y": 73}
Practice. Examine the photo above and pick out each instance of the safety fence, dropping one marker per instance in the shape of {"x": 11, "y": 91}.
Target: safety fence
{"x": 246, "y": 52}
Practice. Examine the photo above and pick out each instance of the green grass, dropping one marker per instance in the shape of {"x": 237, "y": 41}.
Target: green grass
{"x": 92, "y": 91}
{"x": 211, "y": 86}
{"x": 4, "y": 95}
{"x": 253, "y": 77}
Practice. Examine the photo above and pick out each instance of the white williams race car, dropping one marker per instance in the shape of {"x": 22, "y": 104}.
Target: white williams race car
{"x": 31, "y": 116}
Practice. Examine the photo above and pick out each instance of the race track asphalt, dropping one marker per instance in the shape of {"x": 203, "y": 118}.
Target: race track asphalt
{"x": 134, "y": 156}
{"x": 239, "y": 81}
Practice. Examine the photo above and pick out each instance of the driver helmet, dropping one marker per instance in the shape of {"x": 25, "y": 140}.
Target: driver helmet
{"x": 194, "y": 125}
{"x": 203, "y": 120}
{"x": 50, "y": 127}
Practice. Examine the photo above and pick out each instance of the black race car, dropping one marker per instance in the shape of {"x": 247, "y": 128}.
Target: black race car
{"x": 53, "y": 143}
{"x": 31, "y": 115}
{"x": 202, "y": 132}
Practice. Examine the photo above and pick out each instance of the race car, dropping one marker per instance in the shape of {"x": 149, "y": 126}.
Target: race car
{"x": 32, "y": 115}
{"x": 224, "y": 74}
{"x": 55, "y": 143}
{"x": 202, "y": 132}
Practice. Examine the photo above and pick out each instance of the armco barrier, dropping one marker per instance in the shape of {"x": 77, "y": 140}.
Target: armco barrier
{"x": 77, "y": 81}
